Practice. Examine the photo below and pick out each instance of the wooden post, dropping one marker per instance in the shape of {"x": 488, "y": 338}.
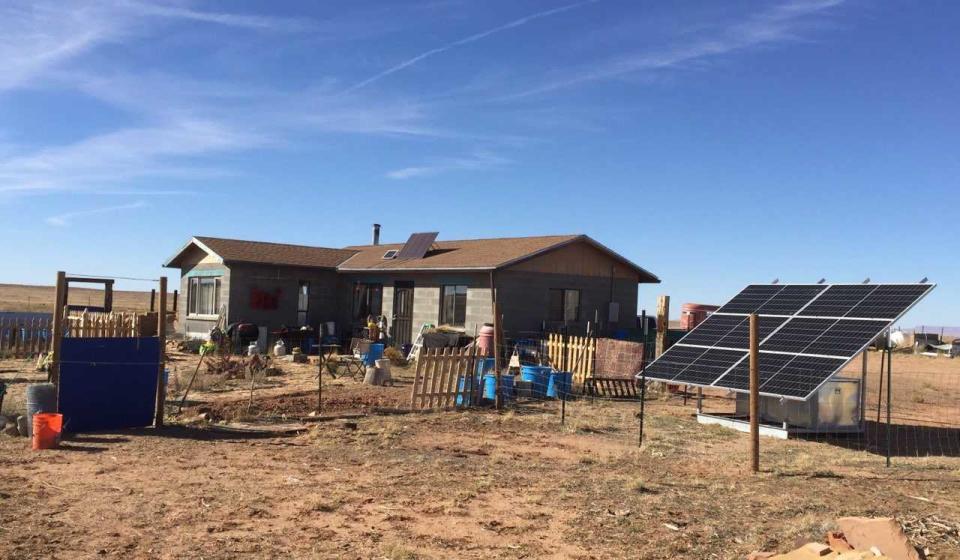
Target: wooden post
{"x": 663, "y": 323}
{"x": 60, "y": 301}
{"x": 153, "y": 297}
{"x": 108, "y": 297}
{"x": 495, "y": 308}
{"x": 162, "y": 341}
{"x": 754, "y": 392}
{"x": 176, "y": 294}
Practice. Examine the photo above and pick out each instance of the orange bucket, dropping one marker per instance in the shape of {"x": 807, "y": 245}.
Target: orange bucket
{"x": 46, "y": 430}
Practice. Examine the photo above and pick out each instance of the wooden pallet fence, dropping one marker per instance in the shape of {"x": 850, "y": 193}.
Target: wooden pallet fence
{"x": 572, "y": 353}
{"x": 104, "y": 325}
{"x": 435, "y": 385}
{"x": 24, "y": 338}
{"x": 616, "y": 388}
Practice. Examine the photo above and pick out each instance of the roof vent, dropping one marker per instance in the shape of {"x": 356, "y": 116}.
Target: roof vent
{"x": 391, "y": 254}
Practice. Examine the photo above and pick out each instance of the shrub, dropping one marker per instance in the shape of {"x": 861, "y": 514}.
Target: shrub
{"x": 395, "y": 356}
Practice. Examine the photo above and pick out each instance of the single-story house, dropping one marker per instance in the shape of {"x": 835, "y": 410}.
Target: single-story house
{"x": 540, "y": 282}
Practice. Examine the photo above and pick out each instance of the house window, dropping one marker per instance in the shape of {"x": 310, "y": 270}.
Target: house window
{"x": 303, "y": 303}
{"x": 367, "y": 300}
{"x": 564, "y": 305}
{"x": 453, "y": 305}
{"x": 203, "y": 295}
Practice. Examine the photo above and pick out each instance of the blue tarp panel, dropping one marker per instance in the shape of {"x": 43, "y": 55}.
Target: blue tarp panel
{"x": 108, "y": 383}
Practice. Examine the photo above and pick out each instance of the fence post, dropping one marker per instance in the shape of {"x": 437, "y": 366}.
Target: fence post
{"x": 663, "y": 323}
{"x": 162, "y": 342}
{"x": 59, "y": 303}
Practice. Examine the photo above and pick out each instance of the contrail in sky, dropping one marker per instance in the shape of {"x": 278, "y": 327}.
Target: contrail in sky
{"x": 466, "y": 40}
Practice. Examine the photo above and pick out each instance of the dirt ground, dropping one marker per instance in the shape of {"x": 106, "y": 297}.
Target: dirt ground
{"x": 474, "y": 484}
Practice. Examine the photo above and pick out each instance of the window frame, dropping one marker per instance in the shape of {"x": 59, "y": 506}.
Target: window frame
{"x": 564, "y": 294}
{"x": 365, "y": 291}
{"x": 303, "y": 303}
{"x": 196, "y": 286}
{"x": 456, "y": 297}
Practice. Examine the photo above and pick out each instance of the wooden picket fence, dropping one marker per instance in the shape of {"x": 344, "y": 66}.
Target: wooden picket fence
{"x": 87, "y": 324}
{"x": 572, "y": 353}
{"x": 24, "y": 338}
{"x": 439, "y": 371}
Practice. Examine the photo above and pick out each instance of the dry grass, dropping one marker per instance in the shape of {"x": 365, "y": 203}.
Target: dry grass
{"x": 22, "y": 297}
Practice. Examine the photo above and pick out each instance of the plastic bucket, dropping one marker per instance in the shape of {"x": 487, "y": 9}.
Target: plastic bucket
{"x": 537, "y": 376}
{"x": 559, "y": 384}
{"x": 373, "y": 354}
{"x": 47, "y": 427}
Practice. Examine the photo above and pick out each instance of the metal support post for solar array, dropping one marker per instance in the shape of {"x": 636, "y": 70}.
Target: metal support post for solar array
{"x": 889, "y": 397}
{"x": 883, "y": 363}
{"x": 754, "y": 392}
{"x": 863, "y": 391}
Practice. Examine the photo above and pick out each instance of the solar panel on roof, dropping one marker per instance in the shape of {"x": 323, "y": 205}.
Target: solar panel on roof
{"x": 417, "y": 245}
{"x": 808, "y": 332}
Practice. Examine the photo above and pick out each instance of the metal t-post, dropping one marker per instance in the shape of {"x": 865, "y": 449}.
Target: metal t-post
{"x": 889, "y": 398}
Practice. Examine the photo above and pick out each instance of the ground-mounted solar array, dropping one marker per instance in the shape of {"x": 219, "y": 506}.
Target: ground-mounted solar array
{"x": 808, "y": 332}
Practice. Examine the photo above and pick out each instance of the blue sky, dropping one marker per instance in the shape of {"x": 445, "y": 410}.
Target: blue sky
{"x": 714, "y": 143}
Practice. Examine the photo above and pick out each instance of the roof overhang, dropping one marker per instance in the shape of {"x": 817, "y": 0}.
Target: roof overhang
{"x": 174, "y": 261}
{"x": 643, "y": 275}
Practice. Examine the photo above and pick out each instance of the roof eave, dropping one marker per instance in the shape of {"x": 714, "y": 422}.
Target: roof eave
{"x": 421, "y": 269}
{"x": 172, "y": 262}
{"x": 643, "y": 275}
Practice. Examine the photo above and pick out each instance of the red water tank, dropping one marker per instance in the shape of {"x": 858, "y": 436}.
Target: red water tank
{"x": 692, "y": 314}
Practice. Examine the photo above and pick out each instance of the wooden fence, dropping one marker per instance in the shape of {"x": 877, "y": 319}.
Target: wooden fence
{"x": 27, "y": 338}
{"x": 109, "y": 325}
{"x": 437, "y": 380}
{"x": 572, "y": 353}
{"x": 24, "y": 338}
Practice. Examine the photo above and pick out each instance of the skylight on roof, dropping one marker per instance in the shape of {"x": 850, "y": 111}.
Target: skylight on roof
{"x": 391, "y": 254}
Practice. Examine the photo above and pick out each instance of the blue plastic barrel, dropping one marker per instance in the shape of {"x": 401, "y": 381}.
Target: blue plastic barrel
{"x": 373, "y": 354}
{"x": 537, "y": 377}
{"x": 485, "y": 365}
{"x": 559, "y": 384}
{"x": 463, "y": 394}
{"x": 490, "y": 383}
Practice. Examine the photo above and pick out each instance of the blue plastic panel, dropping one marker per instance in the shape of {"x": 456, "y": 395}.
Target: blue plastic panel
{"x": 108, "y": 383}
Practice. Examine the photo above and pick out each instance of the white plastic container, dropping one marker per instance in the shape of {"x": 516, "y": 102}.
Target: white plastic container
{"x": 253, "y": 349}
{"x": 279, "y": 349}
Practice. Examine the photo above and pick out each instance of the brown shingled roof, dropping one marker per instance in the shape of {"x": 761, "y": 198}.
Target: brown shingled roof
{"x": 474, "y": 254}
{"x": 464, "y": 254}
{"x": 237, "y": 250}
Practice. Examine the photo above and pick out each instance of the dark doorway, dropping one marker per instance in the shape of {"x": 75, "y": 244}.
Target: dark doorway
{"x": 402, "y": 312}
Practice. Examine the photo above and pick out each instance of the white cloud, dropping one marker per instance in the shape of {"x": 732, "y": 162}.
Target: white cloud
{"x": 38, "y": 37}
{"x": 474, "y": 162}
{"x": 104, "y": 160}
{"x": 773, "y": 25}
{"x": 65, "y": 219}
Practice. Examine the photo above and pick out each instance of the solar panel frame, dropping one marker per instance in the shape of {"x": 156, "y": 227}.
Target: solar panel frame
{"x": 417, "y": 245}
{"x": 792, "y": 384}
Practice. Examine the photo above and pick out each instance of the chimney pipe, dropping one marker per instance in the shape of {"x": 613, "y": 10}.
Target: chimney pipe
{"x": 376, "y": 234}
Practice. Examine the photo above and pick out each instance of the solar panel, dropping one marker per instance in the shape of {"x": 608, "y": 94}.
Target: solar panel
{"x": 417, "y": 245}
{"x": 808, "y": 332}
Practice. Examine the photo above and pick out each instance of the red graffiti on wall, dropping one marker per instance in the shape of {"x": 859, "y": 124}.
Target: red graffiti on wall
{"x": 262, "y": 299}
